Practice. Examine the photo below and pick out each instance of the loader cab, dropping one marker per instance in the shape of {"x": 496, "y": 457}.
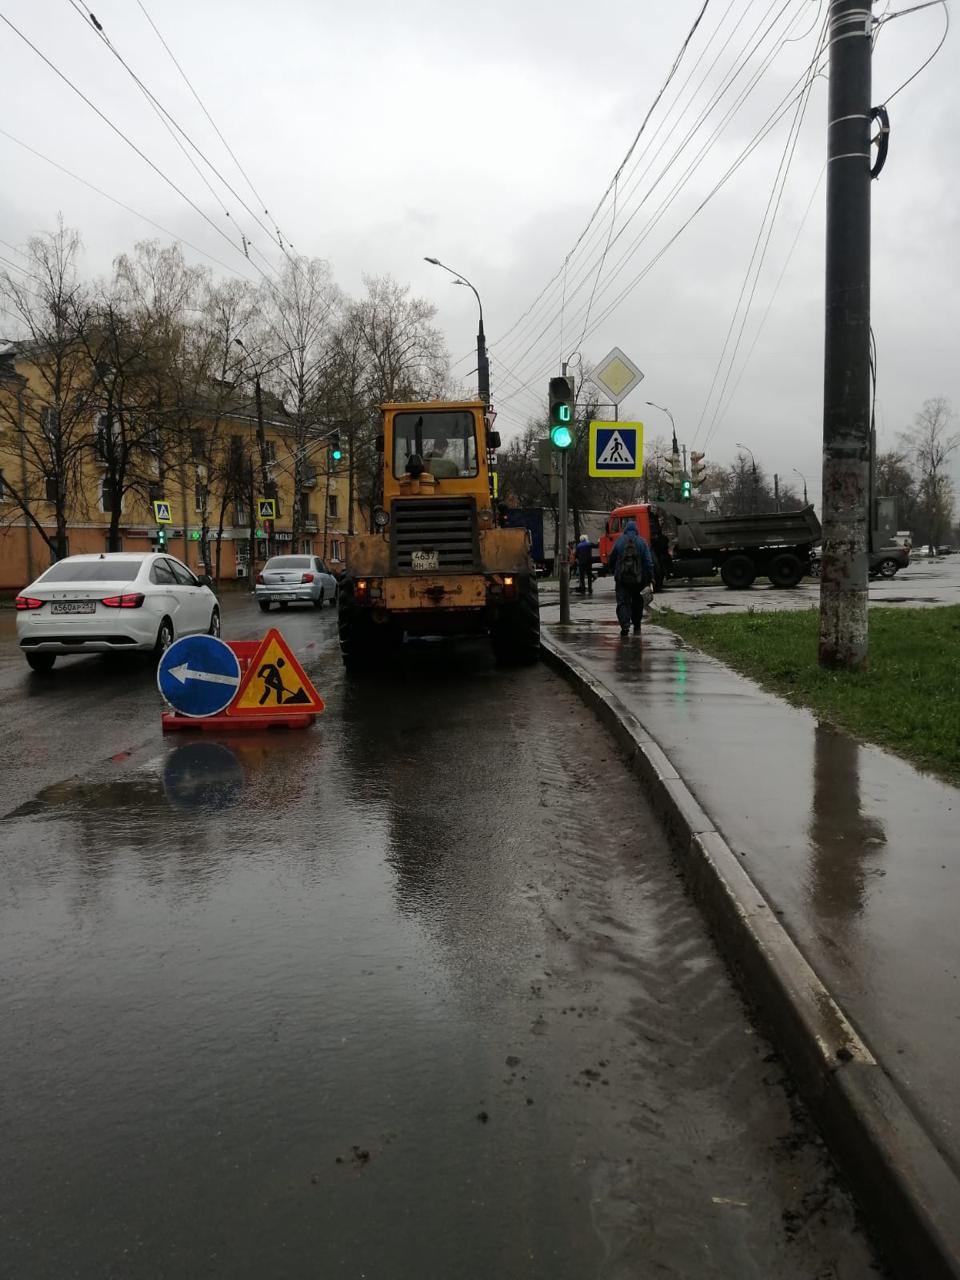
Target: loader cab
{"x": 436, "y": 449}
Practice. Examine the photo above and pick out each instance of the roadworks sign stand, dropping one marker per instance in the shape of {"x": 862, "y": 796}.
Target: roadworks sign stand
{"x": 273, "y": 692}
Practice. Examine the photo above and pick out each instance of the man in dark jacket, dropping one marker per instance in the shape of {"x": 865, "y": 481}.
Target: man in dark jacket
{"x": 584, "y": 555}
{"x": 632, "y": 567}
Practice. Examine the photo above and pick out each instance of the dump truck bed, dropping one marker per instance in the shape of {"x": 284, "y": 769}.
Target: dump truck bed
{"x": 699, "y": 532}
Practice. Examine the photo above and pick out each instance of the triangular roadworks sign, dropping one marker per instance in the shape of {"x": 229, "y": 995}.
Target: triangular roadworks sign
{"x": 275, "y": 684}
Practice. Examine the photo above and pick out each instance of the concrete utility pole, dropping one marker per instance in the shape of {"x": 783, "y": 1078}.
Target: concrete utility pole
{"x": 776, "y": 492}
{"x": 846, "y": 382}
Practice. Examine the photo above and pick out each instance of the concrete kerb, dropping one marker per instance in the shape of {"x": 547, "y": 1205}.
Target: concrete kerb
{"x": 908, "y": 1192}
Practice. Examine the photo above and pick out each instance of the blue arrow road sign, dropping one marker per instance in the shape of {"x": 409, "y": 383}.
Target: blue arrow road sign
{"x": 199, "y": 675}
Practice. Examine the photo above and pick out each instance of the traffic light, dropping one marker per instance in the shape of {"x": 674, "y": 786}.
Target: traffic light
{"x": 560, "y": 395}
{"x": 161, "y": 537}
{"x": 336, "y": 453}
{"x": 698, "y": 469}
{"x": 686, "y": 490}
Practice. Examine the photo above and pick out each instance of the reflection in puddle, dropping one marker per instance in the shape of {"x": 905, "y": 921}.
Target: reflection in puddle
{"x": 842, "y": 837}
{"x": 205, "y": 776}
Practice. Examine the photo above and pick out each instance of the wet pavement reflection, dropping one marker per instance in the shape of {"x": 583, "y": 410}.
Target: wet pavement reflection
{"x": 414, "y": 993}
{"x": 857, "y": 850}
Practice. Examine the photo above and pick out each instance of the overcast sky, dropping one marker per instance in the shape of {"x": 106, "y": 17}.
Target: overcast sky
{"x": 378, "y": 133}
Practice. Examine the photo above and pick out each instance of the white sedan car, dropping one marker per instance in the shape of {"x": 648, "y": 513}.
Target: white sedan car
{"x": 117, "y": 602}
{"x": 288, "y": 580}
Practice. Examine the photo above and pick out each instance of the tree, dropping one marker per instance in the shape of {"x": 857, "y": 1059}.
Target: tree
{"x": 930, "y": 444}
{"x": 51, "y": 416}
{"x": 894, "y": 479}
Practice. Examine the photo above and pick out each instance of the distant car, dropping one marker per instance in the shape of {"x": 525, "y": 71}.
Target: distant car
{"x": 886, "y": 563}
{"x": 116, "y": 602}
{"x": 286, "y": 580}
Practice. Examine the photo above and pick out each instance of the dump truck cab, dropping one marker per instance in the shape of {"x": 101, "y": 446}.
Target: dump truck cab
{"x": 436, "y": 563}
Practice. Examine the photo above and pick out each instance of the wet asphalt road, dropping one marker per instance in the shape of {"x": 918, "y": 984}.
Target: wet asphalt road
{"x": 410, "y": 994}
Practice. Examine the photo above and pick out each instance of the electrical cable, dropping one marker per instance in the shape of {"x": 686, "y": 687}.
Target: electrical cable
{"x": 120, "y": 134}
{"x": 249, "y": 181}
{"x": 784, "y": 106}
{"x": 664, "y": 86}
{"x": 923, "y": 66}
{"x": 758, "y": 255}
{"x": 741, "y": 61}
{"x": 171, "y": 124}
{"x": 119, "y": 203}
{"x": 694, "y": 164}
{"x": 748, "y": 150}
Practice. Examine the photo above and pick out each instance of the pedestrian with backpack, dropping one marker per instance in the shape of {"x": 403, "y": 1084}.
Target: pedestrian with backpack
{"x": 632, "y": 567}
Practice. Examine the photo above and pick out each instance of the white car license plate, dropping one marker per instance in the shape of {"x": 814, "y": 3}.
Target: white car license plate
{"x": 74, "y": 606}
{"x": 425, "y": 560}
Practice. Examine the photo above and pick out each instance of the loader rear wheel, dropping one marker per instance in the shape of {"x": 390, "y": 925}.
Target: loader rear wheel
{"x": 358, "y": 641}
{"x": 515, "y": 635}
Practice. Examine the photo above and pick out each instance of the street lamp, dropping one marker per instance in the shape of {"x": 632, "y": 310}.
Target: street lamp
{"x": 804, "y": 479}
{"x": 664, "y": 409}
{"x": 483, "y": 364}
{"x": 753, "y": 463}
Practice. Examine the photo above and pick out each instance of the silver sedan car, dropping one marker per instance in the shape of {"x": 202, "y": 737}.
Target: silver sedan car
{"x": 286, "y": 580}
{"x": 114, "y": 602}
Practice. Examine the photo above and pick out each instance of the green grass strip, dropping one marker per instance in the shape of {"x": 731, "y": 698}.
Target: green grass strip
{"x": 908, "y": 700}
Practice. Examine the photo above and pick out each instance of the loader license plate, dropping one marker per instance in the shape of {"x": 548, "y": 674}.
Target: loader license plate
{"x": 428, "y": 560}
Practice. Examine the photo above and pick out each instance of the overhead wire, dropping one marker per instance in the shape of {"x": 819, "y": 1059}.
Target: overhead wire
{"x": 119, "y": 203}
{"x": 216, "y": 128}
{"x": 684, "y": 178}
{"x": 743, "y": 59}
{"x": 173, "y": 127}
{"x": 120, "y": 134}
{"x": 923, "y": 66}
{"x": 758, "y": 254}
{"x": 748, "y": 150}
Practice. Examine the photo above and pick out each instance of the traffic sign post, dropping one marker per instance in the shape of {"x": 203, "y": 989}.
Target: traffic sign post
{"x": 616, "y": 449}
{"x": 199, "y": 676}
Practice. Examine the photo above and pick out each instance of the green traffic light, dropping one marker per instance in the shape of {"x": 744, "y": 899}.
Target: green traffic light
{"x": 686, "y": 490}
{"x": 561, "y": 437}
{"x": 336, "y": 454}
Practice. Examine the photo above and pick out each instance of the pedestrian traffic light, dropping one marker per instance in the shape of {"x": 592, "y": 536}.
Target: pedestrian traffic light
{"x": 560, "y": 394}
{"x": 161, "y": 537}
{"x": 686, "y": 489}
{"x": 698, "y": 469}
{"x": 336, "y": 453}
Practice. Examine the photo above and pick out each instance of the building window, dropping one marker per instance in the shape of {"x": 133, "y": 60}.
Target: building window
{"x": 269, "y": 450}
{"x": 106, "y": 495}
{"x": 335, "y": 549}
{"x": 200, "y": 496}
{"x": 240, "y": 515}
{"x": 51, "y": 488}
{"x": 306, "y": 547}
{"x": 117, "y": 547}
{"x": 102, "y": 438}
{"x": 4, "y": 494}
{"x": 333, "y": 506}
{"x": 50, "y": 422}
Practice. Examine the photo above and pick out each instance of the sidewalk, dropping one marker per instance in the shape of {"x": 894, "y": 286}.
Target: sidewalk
{"x": 857, "y": 852}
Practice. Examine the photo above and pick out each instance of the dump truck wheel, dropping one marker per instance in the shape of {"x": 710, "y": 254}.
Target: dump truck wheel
{"x": 785, "y": 570}
{"x": 515, "y": 636}
{"x": 738, "y": 573}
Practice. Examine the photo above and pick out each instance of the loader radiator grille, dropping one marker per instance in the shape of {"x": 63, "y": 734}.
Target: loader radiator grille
{"x": 447, "y": 526}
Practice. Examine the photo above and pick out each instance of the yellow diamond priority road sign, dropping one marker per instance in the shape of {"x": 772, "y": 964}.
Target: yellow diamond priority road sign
{"x": 617, "y": 375}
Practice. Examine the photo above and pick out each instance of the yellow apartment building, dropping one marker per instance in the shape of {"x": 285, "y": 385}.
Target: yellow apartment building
{"x": 206, "y": 466}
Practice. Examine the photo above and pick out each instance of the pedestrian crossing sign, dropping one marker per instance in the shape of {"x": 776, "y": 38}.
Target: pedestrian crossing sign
{"x": 616, "y": 449}
{"x": 162, "y": 513}
{"x": 266, "y": 508}
{"x": 275, "y": 684}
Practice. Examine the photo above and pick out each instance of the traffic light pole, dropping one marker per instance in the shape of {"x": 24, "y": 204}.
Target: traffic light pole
{"x": 562, "y": 549}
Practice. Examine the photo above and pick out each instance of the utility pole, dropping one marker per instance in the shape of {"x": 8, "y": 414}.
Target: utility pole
{"x": 561, "y": 418}
{"x": 776, "y": 492}
{"x": 564, "y": 560}
{"x": 846, "y": 382}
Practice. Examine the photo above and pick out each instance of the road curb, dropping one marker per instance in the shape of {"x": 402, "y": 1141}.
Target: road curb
{"x": 907, "y": 1190}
